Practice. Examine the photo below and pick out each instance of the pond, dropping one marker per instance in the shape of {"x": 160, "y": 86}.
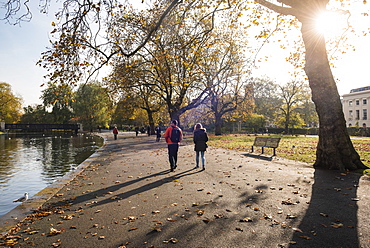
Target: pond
{"x": 29, "y": 163}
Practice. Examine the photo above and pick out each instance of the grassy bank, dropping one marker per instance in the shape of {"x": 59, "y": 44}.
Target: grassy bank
{"x": 297, "y": 148}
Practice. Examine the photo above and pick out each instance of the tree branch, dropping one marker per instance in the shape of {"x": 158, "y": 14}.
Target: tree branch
{"x": 276, "y": 8}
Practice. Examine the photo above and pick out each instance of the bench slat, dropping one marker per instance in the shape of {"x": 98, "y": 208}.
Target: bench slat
{"x": 272, "y": 142}
{"x": 259, "y": 141}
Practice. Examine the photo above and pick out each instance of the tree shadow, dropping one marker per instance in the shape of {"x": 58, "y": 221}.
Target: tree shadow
{"x": 331, "y": 218}
{"x": 114, "y": 197}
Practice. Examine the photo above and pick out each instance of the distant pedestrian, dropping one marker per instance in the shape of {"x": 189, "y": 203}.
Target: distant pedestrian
{"x": 200, "y": 139}
{"x": 115, "y": 132}
{"x": 173, "y": 137}
{"x": 158, "y": 133}
{"x": 136, "y": 130}
{"x": 148, "y": 130}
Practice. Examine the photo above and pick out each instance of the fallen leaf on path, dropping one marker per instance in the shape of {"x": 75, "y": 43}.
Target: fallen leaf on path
{"x": 297, "y": 229}
{"x": 239, "y": 229}
{"x": 337, "y": 225}
{"x": 54, "y": 231}
{"x": 171, "y": 240}
{"x": 246, "y": 219}
{"x": 305, "y": 237}
{"x": 200, "y": 212}
{"x": 206, "y": 220}
{"x": 289, "y": 216}
{"x": 57, "y": 243}
{"x": 68, "y": 217}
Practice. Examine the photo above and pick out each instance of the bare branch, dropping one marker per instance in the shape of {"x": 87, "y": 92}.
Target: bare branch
{"x": 276, "y": 8}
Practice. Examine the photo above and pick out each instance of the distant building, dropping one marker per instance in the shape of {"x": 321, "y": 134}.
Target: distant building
{"x": 356, "y": 107}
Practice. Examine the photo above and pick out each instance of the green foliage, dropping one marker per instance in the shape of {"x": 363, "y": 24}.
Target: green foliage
{"x": 59, "y": 97}
{"x": 10, "y": 105}
{"x": 36, "y": 114}
{"x": 93, "y": 106}
{"x": 255, "y": 121}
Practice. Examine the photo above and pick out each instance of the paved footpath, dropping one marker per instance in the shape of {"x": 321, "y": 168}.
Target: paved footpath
{"x": 125, "y": 196}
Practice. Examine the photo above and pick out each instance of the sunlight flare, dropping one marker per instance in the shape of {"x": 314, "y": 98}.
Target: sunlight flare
{"x": 330, "y": 23}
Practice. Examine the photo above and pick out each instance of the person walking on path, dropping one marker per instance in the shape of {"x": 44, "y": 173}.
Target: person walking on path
{"x": 158, "y": 133}
{"x": 200, "y": 139}
{"x": 173, "y": 137}
{"x": 115, "y": 132}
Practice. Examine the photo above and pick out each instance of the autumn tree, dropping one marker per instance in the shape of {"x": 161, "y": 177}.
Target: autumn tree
{"x": 132, "y": 80}
{"x": 169, "y": 68}
{"x": 124, "y": 111}
{"x": 306, "y": 108}
{"x": 292, "y": 95}
{"x": 10, "y": 104}
{"x": 76, "y": 41}
{"x": 266, "y": 98}
{"x": 334, "y": 149}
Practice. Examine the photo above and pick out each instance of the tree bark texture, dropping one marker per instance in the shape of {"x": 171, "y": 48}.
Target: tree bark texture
{"x": 218, "y": 124}
{"x": 335, "y": 149}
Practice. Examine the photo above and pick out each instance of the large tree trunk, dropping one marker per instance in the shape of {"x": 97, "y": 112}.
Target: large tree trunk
{"x": 151, "y": 121}
{"x": 218, "y": 124}
{"x": 334, "y": 149}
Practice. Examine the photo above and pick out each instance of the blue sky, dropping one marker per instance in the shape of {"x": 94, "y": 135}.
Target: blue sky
{"x": 21, "y": 47}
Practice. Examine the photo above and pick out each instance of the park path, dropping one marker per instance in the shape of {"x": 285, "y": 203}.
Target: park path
{"x": 126, "y": 197}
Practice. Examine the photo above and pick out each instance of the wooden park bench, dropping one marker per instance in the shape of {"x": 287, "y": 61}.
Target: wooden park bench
{"x": 267, "y": 142}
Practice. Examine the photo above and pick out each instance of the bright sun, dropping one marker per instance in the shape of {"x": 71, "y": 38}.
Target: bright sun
{"x": 331, "y": 23}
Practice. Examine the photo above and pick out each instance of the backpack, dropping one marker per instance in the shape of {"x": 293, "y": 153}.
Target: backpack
{"x": 175, "y": 135}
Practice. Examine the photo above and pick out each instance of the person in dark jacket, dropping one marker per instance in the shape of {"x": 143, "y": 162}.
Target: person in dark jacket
{"x": 158, "y": 133}
{"x": 200, "y": 139}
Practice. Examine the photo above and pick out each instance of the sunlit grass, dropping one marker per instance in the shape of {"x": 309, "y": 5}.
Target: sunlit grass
{"x": 296, "y": 148}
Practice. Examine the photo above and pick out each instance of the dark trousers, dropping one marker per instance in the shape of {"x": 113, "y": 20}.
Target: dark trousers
{"x": 115, "y": 136}
{"x": 172, "y": 154}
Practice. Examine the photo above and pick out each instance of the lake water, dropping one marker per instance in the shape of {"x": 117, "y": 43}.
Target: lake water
{"x": 29, "y": 163}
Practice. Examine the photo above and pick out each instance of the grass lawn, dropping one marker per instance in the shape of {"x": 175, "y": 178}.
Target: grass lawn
{"x": 296, "y": 148}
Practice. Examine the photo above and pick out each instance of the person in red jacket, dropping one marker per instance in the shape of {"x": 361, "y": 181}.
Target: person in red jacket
{"x": 115, "y": 132}
{"x": 173, "y": 137}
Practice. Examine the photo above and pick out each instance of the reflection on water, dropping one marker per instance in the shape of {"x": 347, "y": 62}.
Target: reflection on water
{"x": 29, "y": 163}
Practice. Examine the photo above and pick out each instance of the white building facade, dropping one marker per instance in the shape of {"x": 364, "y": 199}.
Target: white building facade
{"x": 356, "y": 107}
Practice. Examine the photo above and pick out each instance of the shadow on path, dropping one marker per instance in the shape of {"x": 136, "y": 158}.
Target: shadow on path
{"x": 140, "y": 189}
{"x": 256, "y": 156}
{"x": 331, "y": 218}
